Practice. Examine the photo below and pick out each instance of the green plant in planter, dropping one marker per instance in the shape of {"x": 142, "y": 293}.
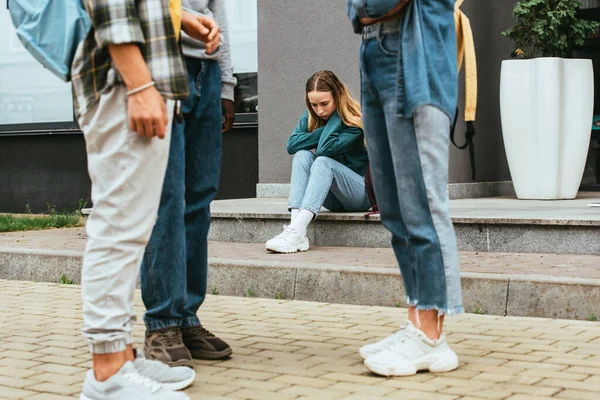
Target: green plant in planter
{"x": 548, "y": 28}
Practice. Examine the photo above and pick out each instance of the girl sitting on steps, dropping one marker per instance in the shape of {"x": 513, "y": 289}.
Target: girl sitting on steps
{"x": 330, "y": 160}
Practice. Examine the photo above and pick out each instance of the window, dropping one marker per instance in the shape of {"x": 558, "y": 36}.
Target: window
{"x": 243, "y": 33}
{"x": 29, "y": 94}
{"x": 33, "y": 99}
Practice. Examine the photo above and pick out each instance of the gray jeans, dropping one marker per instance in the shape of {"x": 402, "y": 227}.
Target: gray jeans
{"x": 127, "y": 173}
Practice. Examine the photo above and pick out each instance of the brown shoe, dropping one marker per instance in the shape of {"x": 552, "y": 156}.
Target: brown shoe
{"x": 203, "y": 345}
{"x": 166, "y": 345}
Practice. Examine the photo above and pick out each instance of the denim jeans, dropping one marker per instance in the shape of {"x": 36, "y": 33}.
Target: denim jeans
{"x": 175, "y": 266}
{"x": 409, "y": 165}
{"x": 322, "y": 181}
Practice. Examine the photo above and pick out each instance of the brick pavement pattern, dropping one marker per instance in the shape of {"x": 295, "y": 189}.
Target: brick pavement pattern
{"x": 301, "y": 350}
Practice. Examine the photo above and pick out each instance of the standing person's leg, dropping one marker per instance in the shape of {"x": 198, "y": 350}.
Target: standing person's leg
{"x": 203, "y": 146}
{"x": 164, "y": 271}
{"x": 425, "y": 249}
{"x": 124, "y": 169}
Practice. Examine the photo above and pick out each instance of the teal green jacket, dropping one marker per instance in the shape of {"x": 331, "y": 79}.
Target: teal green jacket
{"x": 343, "y": 143}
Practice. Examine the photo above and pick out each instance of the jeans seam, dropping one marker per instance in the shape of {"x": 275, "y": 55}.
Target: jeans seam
{"x": 430, "y": 217}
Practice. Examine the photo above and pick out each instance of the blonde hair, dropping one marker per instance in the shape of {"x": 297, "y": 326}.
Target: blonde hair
{"x": 347, "y": 107}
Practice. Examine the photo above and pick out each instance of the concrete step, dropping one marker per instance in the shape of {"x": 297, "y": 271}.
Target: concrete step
{"x": 501, "y": 224}
{"x": 533, "y": 285}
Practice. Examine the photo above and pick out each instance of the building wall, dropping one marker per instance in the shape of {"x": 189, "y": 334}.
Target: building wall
{"x": 297, "y": 38}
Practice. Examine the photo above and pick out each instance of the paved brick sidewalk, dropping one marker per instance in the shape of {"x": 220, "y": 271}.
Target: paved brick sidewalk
{"x": 560, "y": 265}
{"x": 300, "y": 350}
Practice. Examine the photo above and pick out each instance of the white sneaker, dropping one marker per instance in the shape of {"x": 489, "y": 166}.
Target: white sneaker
{"x": 171, "y": 378}
{"x": 288, "y": 241}
{"x": 128, "y": 384}
{"x": 411, "y": 352}
{"x": 370, "y": 350}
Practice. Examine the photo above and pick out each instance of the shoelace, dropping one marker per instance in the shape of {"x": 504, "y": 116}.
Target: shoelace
{"x": 288, "y": 232}
{"x": 156, "y": 364}
{"x": 140, "y": 380}
{"x": 201, "y": 331}
{"x": 171, "y": 338}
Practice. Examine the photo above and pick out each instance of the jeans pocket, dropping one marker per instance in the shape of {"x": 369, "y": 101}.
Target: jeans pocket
{"x": 389, "y": 43}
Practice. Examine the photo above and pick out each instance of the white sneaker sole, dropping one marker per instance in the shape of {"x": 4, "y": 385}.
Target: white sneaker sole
{"x": 365, "y": 355}
{"x": 448, "y": 362}
{"x": 304, "y": 246}
{"x": 180, "y": 385}
{"x": 175, "y": 386}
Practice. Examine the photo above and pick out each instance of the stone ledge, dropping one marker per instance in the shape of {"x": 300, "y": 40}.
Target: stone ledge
{"x": 493, "y": 293}
{"x": 455, "y": 190}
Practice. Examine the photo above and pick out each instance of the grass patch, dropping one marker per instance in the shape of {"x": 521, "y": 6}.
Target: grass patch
{"x": 66, "y": 281}
{"x": 14, "y": 223}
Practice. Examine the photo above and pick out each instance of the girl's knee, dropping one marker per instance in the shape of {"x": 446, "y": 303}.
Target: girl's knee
{"x": 304, "y": 157}
{"x": 322, "y": 162}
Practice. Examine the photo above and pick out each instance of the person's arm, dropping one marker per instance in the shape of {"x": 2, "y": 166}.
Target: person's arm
{"x": 301, "y": 138}
{"x": 228, "y": 81}
{"x": 367, "y": 12}
{"x": 337, "y": 138}
{"x": 393, "y": 13}
{"x": 117, "y": 26}
{"x": 203, "y": 28}
{"x": 146, "y": 110}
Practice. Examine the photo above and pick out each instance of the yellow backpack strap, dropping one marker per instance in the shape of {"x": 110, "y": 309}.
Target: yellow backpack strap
{"x": 466, "y": 53}
{"x": 470, "y": 71}
{"x": 466, "y": 56}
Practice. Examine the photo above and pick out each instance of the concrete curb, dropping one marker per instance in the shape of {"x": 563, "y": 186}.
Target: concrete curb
{"x": 357, "y": 231}
{"x": 495, "y": 294}
{"x": 455, "y": 190}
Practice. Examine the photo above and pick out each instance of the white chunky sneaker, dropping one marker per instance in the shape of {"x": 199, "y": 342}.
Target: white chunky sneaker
{"x": 370, "y": 350}
{"x": 128, "y": 384}
{"x": 412, "y": 352}
{"x": 288, "y": 241}
{"x": 171, "y": 378}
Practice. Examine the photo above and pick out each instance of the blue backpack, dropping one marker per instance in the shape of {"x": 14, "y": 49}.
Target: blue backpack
{"x": 51, "y": 30}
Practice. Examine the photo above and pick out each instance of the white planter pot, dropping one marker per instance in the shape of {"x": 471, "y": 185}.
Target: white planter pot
{"x": 546, "y": 107}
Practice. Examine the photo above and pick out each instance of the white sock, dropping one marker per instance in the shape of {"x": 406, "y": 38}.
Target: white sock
{"x": 300, "y": 223}
{"x": 295, "y": 212}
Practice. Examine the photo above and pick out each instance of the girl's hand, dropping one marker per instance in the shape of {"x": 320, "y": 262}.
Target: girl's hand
{"x": 389, "y": 16}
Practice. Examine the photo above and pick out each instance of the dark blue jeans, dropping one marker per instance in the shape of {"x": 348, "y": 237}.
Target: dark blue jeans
{"x": 175, "y": 265}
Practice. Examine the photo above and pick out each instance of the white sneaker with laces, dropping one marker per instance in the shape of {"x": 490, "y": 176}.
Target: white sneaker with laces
{"x": 171, "y": 378}
{"x": 412, "y": 352}
{"x": 371, "y": 349}
{"x": 128, "y": 384}
{"x": 288, "y": 241}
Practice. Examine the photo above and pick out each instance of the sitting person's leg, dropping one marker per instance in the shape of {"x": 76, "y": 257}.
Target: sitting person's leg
{"x": 301, "y": 166}
{"x": 334, "y": 186}
{"x": 329, "y": 183}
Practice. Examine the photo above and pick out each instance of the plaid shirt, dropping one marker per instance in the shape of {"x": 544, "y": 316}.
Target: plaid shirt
{"x": 145, "y": 22}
